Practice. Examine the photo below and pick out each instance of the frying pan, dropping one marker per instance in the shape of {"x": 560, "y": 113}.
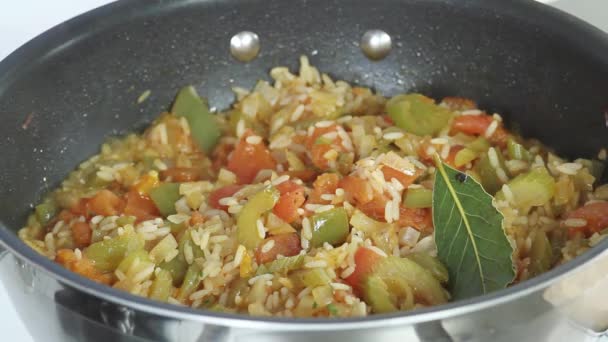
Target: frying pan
{"x": 78, "y": 83}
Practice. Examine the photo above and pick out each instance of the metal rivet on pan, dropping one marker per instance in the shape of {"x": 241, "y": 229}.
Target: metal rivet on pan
{"x": 245, "y": 46}
{"x": 376, "y": 44}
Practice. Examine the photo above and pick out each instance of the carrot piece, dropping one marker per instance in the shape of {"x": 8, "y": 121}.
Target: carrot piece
{"x": 292, "y": 198}
{"x": 140, "y": 206}
{"x": 405, "y": 180}
{"x": 249, "y": 159}
{"x": 284, "y": 244}
{"x": 84, "y": 267}
{"x": 357, "y": 189}
{"x": 218, "y": 194}
{"x": 477, "y": 125}
{"x": 106, "y": 203}
{"x": 145, "y": 183}
{"x": 81, "y": 233}
{"x": 596, "y": 215}
{"x": 326, "y": 183}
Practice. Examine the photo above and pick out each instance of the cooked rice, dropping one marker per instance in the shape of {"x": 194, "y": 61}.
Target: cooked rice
{"x": 297, "y": 115}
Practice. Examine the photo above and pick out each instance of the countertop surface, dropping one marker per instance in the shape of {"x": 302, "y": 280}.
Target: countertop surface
{"x": 19, "y": 23}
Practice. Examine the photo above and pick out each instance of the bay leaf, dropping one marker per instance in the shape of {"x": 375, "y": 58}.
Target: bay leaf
{"x": 469, "y": 235}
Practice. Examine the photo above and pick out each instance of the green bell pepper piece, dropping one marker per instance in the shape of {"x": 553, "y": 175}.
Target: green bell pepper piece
{"x": 162, "y": 286}
{"x": 258, "y": 204}
{"x": 517, "y": 151}
{"x": 330, "y": 226}
{"x": 164, "y": 196}
{"x": 107, "y": 254}
{"x": 418, "y": 198}
{"x": 417, "y": 114}
{"x": 203, "y": 127}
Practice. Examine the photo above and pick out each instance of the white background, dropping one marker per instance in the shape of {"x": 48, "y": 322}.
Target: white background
{"x": 24, "y": 19}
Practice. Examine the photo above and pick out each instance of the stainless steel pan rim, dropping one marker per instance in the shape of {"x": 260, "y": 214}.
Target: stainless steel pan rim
{"x": 40, "y": 263}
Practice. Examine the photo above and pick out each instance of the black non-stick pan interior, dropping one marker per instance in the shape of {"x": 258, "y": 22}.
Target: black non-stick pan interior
{"x": 80, "y": 82}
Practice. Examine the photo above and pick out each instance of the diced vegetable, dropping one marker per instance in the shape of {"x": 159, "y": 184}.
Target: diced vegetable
{"x": 326, "y": 183}
{"x": 292, "y": 198}
{"x": 282, "y": 244}
{"x": 431, "y": 264}
{"x": 164, "y": 196}
{"x": 322, "y": 295}
{"x": 478, "y": 125}
{"x": 218, "y": 194}
{"x": 330, "y": 226}
{"x": 417, "y": 114}
{"x": 311, "y": 277}
{"x": 534, "y": 188}
{"x": 405, "y": 180}
{"x": 357, "y": 189}
{"x": 45, "y": 212}
{"x": 489, "y": 178}
{"x": 517, "y": 151}
{"x": 366, "y": 224}
{"x": 541, "y": 254}
{"x": 258, "y": 204}
{"x": 106, "y": 203}
{"x": 378, "y": 296}
{"x": 283, "y": 265}
{"x": 418, "y": 198}
{"x": 396, "y": 271}
{"x": 82, "y": 266}
{"x": 249, "y": 159}
{"x": 203, "y": 127}
{"x": 107, "y": 254}
{"x": 165, "y": 246}
{"x": 140, "y": 206}
{"x": 295, "y": 164}
{"x": 365, "y": 261}
{"x": 595, "y": 216}
{"x": 480, "y": 145}
{"x": 191, "y": 282}
{"x": 138, "y": 256}
{"x": 162, "y": 286}
{"x": 464, "y": 156}
{"x": 183, "y": 174}
{"x": 81, "y": 233}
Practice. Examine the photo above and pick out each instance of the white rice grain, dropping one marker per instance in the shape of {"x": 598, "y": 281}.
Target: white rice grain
{"x": 261, "y": 229}
{"x": 268, "y": 246}
{"x": 254, "y": 139}
{"x": 471, "y": 112}
{"x": 569, "y": 168}
{"x": 575, "y": 222}
{"x": 316, "y": 264}
{"x": 393, "y": 135}
{"x": 238, "y": 255}
{"x": 491, "y": 129}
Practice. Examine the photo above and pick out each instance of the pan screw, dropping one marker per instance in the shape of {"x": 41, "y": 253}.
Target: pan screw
{"x": 376, "y": 44}
{"x": 245, "y": 46}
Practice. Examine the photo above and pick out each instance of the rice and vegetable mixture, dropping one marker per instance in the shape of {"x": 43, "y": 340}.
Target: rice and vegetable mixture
{"x": 310, "y": 197}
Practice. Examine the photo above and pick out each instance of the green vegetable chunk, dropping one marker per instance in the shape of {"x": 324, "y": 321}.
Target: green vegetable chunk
{"x": 162, "y": 286}
{"x": 107, "y": 254}
{"x": 395, "y": 282}
{"x": 432, "y": 264}
{"x": 517, "y": 151}
{"x": 164, "y": 196}
{"x": 260, "y": 203}
{"x": 531, "y": 189}
{"x": 330, "y": 226}
{"x": 203, "y": 126}
{"x": 541, "y": 254}
{"x": 282, "y": 265}
{"x": 377, "y": 295}
{"x": 191, "y": 282}
{"x": 480, "y": 145}
{"x": 45, "y": 212}
{"x": 418, "y": 198}
{"x": 488, "y": 173}
{"x": 464, "y": 156}
{"x": 311, "y": 278}
{"x": 417, "y": 114}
